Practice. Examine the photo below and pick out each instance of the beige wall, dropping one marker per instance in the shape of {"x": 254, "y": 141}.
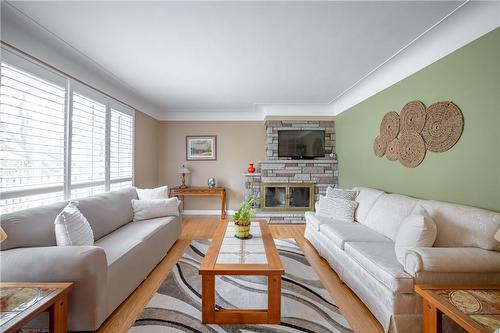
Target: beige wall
{"x": 146, "y": 150}
{"x": 238, "y": 143}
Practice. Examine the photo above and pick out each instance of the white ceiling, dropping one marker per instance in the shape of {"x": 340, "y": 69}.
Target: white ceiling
{"x": 228, "y": 56}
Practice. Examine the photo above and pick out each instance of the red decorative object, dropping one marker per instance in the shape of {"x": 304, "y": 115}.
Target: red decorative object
{"x": 251, "y": 168}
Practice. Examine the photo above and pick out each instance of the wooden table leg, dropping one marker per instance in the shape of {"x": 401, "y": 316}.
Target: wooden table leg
{"x": 58, "y": 314}
{"x": 431, "y": 318}
{"x": 207, "y": 299}
{"x": 223, "y": 205}
{"x": 274, "y": 299}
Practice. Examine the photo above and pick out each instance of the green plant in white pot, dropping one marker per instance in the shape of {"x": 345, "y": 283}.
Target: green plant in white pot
{"x": 242, "y": 218}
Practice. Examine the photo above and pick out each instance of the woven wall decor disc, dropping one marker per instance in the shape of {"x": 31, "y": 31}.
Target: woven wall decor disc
{"x": 379, "y": 146}
{"x": 443, "y": 126}
{"x": 389, "y": 127}
{"x": 392, "y": 150}
{"x": 412, "y": 117}
{"x": 411, "y": 149}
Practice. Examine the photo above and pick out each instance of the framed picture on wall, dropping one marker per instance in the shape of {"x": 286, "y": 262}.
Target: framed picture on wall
{"x": 201, "y": 148}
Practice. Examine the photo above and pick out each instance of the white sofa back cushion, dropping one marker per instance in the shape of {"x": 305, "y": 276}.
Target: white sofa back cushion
{"x": 463, "y": 226}
{"x": 149, "y": 209}
{"x": 417, "y": 230}
{"x": 152, "y": 193}
{"x": 72, "y": 228}
{"x": 366, "y": 199}
{"x": 388, "y": 213}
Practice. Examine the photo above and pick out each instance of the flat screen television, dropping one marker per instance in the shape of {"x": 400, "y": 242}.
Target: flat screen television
{"x": 301, "y": 144}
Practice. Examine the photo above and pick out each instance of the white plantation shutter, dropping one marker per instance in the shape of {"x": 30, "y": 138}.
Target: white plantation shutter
{"x": 121, "y": 149}
{"x": 59, "y": 138}
{"x": 88, "y": 146}
{"x": 32, "y": 121}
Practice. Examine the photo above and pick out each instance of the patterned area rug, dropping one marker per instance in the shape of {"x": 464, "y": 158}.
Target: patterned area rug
{"x": 306, "y": 305}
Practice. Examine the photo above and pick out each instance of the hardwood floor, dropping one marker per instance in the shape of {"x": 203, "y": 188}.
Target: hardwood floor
{"x": 201, "y": 227}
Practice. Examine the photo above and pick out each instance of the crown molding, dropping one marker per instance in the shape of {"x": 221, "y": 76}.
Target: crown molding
{"x": 467, "y": 23}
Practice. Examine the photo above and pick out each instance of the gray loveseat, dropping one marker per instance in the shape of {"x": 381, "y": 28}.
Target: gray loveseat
{"x": 105, "y": 274}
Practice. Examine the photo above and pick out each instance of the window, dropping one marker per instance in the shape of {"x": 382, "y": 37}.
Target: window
{"x": 88, "y": 146}
{"x": 121, "y": 149}
{"x": 31, "y": 140}
{"x": 59, "y": 139}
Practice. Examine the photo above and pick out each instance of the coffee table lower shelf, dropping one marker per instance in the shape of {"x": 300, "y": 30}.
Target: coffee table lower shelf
{"x": 211, "y": 315}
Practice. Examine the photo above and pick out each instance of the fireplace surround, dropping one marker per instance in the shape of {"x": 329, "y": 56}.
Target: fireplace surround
{"x": 320, "y": 172}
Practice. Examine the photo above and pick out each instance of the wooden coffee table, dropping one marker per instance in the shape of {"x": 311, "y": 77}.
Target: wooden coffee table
{"x": 474, "y": 308}
{"x": 20, "y": 302}
{"x": 228, "y": 255}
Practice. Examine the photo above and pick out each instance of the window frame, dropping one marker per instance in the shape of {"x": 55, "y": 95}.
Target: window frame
{"x": 71, "y": 85}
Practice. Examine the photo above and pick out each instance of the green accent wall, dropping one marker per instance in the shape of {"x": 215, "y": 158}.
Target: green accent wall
{"x": 468, "y": 173}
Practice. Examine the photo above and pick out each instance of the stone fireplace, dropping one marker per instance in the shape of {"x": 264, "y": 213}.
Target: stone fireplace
{"x": 275, "y": 177}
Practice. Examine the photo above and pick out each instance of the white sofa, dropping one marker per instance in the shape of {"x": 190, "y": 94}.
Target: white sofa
{"x": 362, "y": 253}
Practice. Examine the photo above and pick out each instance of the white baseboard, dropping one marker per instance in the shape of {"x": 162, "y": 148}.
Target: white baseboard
{"x": 210, "y": 212}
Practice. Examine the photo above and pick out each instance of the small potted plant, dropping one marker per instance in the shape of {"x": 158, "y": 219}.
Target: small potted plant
{"x": 242, "y": 218}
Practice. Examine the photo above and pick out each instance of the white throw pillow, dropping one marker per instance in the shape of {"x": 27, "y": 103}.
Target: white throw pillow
{"x": 416, "y": 230}
{"x": 340, "y": 193}
{"x": 149, "y": 209}
{"x": 337, "y": 209}
{"x": 152, "y": 193}
{"x": 72, "y": 228}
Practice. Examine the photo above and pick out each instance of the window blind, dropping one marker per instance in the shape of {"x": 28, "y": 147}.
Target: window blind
{"x": 32, "y": 119}
{"x": 88, "y": 146}
{"x": 121, "y": 149}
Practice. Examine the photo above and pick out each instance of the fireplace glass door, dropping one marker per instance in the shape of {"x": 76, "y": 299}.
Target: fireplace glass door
{"x": 291, "y": 196}
{"x": 275, "y": 196}
{"x": 299, "y": 197}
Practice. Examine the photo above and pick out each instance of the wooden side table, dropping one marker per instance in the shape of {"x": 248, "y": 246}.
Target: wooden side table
{"x": 474, "y": 308}
{"x": 202, "y": 191}
{"x": 20, "y": 302}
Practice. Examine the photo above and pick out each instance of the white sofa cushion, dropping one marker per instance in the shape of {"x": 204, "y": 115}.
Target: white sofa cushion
{"x": 452, "y": 260}
{"x": 417, "y": 230}
{"x": 149, "y": 209}
{"x": 314, "y": 220}
{"x": 340, "y": 233}
{"x": 463, "y": 226}
{"x": 379, "y": 260}
{"x": 72, "y": 228}
{"x": 388, "y": 213}
{"x": 366, "y": 199}
{"x": 152, "y": 193}
{"x": 338, "y": 209}
{"x": 333, "y": 192}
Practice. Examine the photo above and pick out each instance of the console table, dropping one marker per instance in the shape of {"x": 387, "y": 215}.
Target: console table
{"x": 20, "y": 302}
{"x": 202, "y": 191}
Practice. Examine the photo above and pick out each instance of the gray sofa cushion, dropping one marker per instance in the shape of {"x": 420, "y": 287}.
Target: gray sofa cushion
{"x": 379, "y": 260}
{"x": 107, "y": 212}
{"x": 31, "y": 227}
{"x": 340, "y": 233}
{"x": 133, "y": 251}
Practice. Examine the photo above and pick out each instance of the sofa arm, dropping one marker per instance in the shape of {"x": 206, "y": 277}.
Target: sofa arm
{"x": 451, "y": 260}
{"x": 85, "y": 266}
